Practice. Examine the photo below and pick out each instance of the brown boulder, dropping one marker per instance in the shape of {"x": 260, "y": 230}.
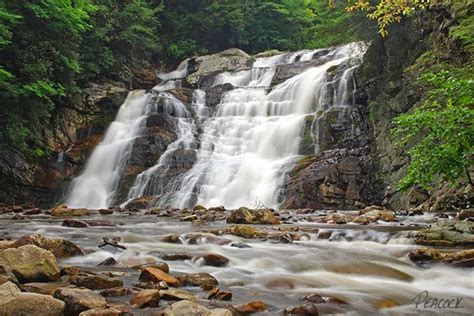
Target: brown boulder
{"x": 14, "y": 302}
{"x": 175, "y": 294}
{"x": 214, "y": 259}
{"x": 156, "y": 275}
{"x": 94, "y": 282}
{"x": 146, "y": 298}
{"x": 61, "y": 248}
{"x": 30, "y": 264}
{"x": 307, "y": 309}
{"x": 251, "y": 307}
{"x": 63, "y": 210}
{"x": 204, "y": 280}
{"x": 247, "y": 216}
{"x": 103, "y": 312}
{"x": 78, "y": 300}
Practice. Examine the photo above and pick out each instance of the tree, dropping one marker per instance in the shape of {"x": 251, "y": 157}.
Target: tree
{"x": 386, "y": 12}
{"x": 440, "y": 132}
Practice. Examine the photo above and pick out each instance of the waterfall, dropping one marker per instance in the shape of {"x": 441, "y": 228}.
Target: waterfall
{"x": 251, "y": 140}
{"x": 96, "y": 186}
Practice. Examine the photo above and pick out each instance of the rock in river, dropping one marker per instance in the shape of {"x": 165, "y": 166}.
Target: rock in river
{"x": 14, "y": 302}
{"x": 247, "y": 216}
{"x": 78, "y": 300}
{"x": 30, "y": 264}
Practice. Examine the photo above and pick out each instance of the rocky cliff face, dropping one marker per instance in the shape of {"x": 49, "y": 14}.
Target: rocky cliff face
{"x": 389, "y": 83}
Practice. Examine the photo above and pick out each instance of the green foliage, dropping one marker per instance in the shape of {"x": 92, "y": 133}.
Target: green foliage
{"x": 440, "y": 132}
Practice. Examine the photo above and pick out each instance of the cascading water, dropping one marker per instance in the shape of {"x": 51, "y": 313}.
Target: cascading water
{"x": 96, "y": 186}
{"x": 252, "y": 138}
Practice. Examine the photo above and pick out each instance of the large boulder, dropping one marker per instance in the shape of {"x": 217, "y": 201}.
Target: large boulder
{"x": 229, "y": 59}
{"x": 247, "y": 216}
{"x": 30, "y": 263}
{"x": 63, "y": 210}
{"x": 61, "y": 248}
{"x": 146, "y": 298}
{"x": 79, "y": 299}
{"x": 14, "y": 302}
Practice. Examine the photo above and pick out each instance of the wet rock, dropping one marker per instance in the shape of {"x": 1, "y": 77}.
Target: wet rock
{"x": 315, "y": 298}
{"x": 140, "y": 203}
{"x": 247, "y": 216}
{"x": 74, "y": 223}
{"x": 305, "y": 309}
{"x": 143, "y": 78}
{"x": 175, "y": 294}
{"x": 97, "y": 223}
{"x": 199, "y": 208}
{"x": 185, "y": 307}
{"x": 94, "y": 282}
{"x": 175, "y": 256}
{"x": 34, "y": 211}
{"x": 362, "y": 219}
{"x": 14, "y": 302}
{"x": 326, "y": 234}
{"x": 61, "y": 248}
{"x": 216, "y": 293}
{"x": 146, "y": 298}
{"x": 214, "y": 259}
{"x": 163, "y": 266}
{"x": 446, "y": 233}
{"x": 63, "y": 210}
{"x": 337, "y": 218}
{"x": 384, "y": 215}
{"x": 30, "y": 264}
{"x": 116, "y": 291}
{"x": 204, "y": 280}
{"x": 108, "y": 262}
{"x": 105, "y": 211}
{"x": 245, "y": 231}
{"x": 156, "y": 275}
{"x": 251, "y": 307}
{"x": 78, "y": 300}
{"x": 463, "y": 258}
{"x": 6, "y": 275}
{"x": 240, "y": 245}
{"x": 103, "y": 312}
{"x": 174, "y": 239}
{"x": 41, "y": 288}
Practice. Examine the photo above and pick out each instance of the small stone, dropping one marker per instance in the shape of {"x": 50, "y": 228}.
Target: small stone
{"x": 325, "y": 234}
{"x": 214, "y": 259}
{"x": 94, "y": 282}
{"x": 204, "y": 280}
{"x": 40, "y": 288}
{"x": 185, "y": 307}
{"x": 307, "y": 309}
{"x": 156, "y": 275}
{"x": 74, "y": 223}
{"x": 251, "y": 307}
{"x": 78, "y": 300}
{"x": 175, "y": 294}
{"x": 315, "y": 298}
{"x": 106, "y": 211}
{"x": 116, "y": 291}
{"x": 175, "y": 256}
{"x": 108, "y": 262}
{"x": 163, "y": 266}
{"x": 34, "y": 211}
{"x": 146, "y": 298}
{"x": 174, "y": 239}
